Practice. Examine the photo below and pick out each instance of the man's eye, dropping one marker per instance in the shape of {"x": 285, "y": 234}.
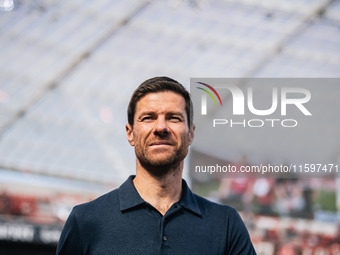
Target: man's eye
{"x": 174, "y": 118}
{"x": 146, "y": 118}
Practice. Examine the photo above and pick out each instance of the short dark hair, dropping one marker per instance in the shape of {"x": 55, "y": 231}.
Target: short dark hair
{"x": 159, "y": 84}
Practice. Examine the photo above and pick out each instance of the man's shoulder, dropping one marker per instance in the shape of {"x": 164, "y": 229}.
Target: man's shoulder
{"x": 207, "y": 206}
{"x": 104, "y": 202}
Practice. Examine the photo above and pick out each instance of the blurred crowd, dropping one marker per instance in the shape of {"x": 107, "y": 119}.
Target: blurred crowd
{"x": 39, "y": 209}
{"x": 279, "y": 197}
{"x": 287, "y": 216}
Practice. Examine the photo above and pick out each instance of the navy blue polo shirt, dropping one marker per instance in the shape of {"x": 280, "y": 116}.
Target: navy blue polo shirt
{"x": 121, "y": 222}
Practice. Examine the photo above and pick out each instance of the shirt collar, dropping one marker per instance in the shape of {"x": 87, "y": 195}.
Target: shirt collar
{"x": 188, "y": 199}
{"x": 129, "y": 197}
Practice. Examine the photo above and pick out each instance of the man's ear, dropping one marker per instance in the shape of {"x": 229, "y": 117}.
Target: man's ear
{"x": 192, "y": 133}
{"x": 129, "y": 134}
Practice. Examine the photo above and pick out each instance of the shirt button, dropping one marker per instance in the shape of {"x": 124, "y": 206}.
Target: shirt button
{"x": 165, "y": 238}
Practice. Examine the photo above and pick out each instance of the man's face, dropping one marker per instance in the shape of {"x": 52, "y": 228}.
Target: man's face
{"x": 160, "y": 133}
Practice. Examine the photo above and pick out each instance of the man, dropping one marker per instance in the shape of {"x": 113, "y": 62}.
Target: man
{"x": 155, "y": 212}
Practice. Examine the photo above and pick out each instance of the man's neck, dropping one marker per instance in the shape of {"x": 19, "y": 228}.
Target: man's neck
{"x": 159, "y": 191}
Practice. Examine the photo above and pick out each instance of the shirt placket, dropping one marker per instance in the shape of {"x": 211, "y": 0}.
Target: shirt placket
{"x": 164, "y": 235}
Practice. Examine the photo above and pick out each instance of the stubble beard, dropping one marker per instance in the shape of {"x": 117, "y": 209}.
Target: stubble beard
{"x": 160, "y": 167}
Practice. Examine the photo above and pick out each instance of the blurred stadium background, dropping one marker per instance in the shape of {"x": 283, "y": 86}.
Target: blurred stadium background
{"x": 68, "y": 68}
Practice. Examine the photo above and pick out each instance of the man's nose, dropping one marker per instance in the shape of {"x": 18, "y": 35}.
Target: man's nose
{"x": 161, "y": 126}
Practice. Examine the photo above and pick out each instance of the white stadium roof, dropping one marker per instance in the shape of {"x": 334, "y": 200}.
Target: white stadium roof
{"x": 68, "y": 68}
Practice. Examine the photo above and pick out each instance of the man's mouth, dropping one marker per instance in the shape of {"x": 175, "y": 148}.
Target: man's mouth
{"x": 161, "y": 143}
